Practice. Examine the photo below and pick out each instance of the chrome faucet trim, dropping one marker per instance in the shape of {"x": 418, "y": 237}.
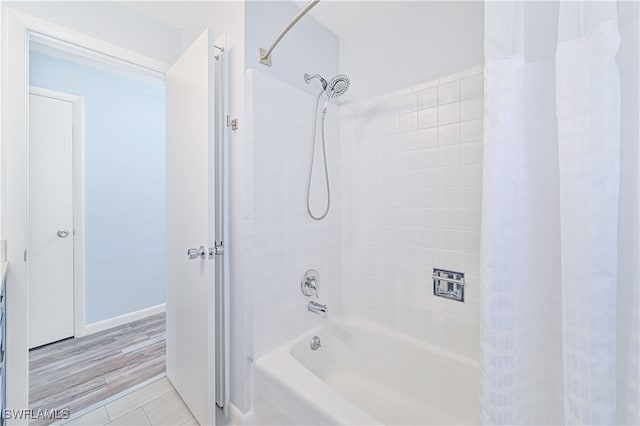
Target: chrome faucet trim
{"x": 310, "y": 283}
{"x": 315, "y": 343}
{"x": 317, "y": 308}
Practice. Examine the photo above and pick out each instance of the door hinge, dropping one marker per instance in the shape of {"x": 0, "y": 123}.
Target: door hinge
{"x": 232, "y": 123}
{"x": 216, "y": 250}
{"x": 25, "y": 255}
{"x": 221, "y": 49}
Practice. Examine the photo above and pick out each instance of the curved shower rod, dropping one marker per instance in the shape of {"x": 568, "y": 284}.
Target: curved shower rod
{"x": 265, "y": 55}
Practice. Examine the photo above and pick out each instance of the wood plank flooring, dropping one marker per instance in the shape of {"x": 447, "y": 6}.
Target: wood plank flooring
{"x": 78, "y": 373}
{"x": 154, "y": 404}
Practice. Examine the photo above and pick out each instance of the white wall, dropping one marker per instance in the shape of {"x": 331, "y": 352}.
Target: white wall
{"x": 412, "y": 173}
{"x": 308, "y": 48}
{"x": 412, "y": 43}
{"x": 124, "y": 185}
{"x": 286, "y": 241}
{"x": 113, "y": 22}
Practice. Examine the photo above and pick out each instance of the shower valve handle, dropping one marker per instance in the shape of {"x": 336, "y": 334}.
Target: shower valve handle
{"x": 310, "y": 284}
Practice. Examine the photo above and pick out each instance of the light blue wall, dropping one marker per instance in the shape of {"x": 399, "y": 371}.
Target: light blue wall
{"x": 124, "y": 185}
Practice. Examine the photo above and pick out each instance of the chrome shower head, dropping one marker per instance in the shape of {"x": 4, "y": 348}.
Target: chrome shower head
{"x": 308, "y": 78}
{"x": 337, "y": 86}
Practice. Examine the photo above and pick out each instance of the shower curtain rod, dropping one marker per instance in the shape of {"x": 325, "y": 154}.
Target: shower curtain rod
{"x": 265, "y": 55}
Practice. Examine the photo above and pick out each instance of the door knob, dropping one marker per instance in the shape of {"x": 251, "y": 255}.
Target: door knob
{"x": 63, "y": 233}
{"x": 194, "y": 253}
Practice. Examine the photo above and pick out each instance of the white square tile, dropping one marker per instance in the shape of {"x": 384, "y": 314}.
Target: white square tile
{"x": 429, "y": 177}
{"x": 471, "y": 131}
{"x": 429, "y": 216}
{"x": 408, "y": 103}
{"x": 390, "y": 124}
{"x": 450, "y": 239}
{"x": 472, "y": 197}
{"x": 408, "y": 141}
{"x": 428, "y": 98}
{"x": 472, "y": 108}
{"x": 409, "y": 178}
{"x": 429, "y": 198}
{"x": 428, "y": 238}
{"x": 451, "y": 260}
{"x": 449, "y": 218}
{"x": 472, "y": 153}
{"x": 472, "y": 175}
{"x": 449, "y": 176}
{"x": 449, "y": 134}
{"x": 470, "y": 219}
{"x": 408, "y": 122}
{"x": 449, "y": 92}
{"x": 449, "y": 155}
{"x": 428, "y": 138}
{"x": 428, "y": 118}
{"x": 472, "y": 86}
{"x": 406, "y": 160}
{"x": 449, "y": 197}
{"x": 470, "y": 241}
{"x": 428, "y": 157}
{"x": 449, "y": 113}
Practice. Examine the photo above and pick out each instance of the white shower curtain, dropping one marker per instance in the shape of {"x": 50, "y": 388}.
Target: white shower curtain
{"x": 559, "y": 323}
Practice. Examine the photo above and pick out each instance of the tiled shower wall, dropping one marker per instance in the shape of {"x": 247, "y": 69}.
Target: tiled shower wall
{"x": 412, "y": 186}
{"x": 286, "y": 241}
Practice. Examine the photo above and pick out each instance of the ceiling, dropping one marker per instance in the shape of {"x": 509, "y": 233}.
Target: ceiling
{"x": 342, "y": 16}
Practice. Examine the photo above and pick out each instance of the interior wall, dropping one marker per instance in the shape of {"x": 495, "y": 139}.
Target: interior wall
{"x": 162, "y": 30}
{"x": 411, "y": 131}
{"x": 287, "y": 241}
{"x": 308, "y": 48}
{"x": 124, "y": 185}
{"x": 415, "y": 42}
{"x": 412, "y": 176}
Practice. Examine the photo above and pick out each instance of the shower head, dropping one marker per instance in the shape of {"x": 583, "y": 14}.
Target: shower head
{"x": 308, "y": 78}
{"x": 337, "y": 86}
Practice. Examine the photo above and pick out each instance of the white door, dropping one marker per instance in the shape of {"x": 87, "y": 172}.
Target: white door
{"x": 190, "y": 219}
{"x": 50, "y": 223}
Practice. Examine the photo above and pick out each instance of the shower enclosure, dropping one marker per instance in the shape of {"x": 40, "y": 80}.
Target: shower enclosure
{"x": 469, "y": 208}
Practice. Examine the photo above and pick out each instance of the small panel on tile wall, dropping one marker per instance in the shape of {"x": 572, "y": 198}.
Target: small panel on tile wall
{"x": 421, "y": 203}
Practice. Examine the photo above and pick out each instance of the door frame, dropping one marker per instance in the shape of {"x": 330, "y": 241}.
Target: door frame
{"x": 20, "y": 28}
{"x": 77, "y": 103}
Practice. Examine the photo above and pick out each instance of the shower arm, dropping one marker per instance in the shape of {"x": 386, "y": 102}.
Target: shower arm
{"x": 265, "y": 55}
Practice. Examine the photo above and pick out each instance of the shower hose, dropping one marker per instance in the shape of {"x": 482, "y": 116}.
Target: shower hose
{"x": 324, "y": 158}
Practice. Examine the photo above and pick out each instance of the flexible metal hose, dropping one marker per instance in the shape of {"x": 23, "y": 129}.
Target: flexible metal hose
{"x": 324, "y": 157}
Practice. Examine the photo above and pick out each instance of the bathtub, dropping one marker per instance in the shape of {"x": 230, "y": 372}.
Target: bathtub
{"x": 363, "y": 375}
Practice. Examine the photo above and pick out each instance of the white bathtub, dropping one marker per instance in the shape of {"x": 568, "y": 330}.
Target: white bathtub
{"x": 363, "y": 374}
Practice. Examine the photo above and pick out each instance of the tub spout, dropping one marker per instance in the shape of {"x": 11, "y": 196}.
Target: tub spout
{"x": 317, "y": 308}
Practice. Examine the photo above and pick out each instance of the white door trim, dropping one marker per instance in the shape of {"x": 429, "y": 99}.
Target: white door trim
{"x": 18, "y": 27}
{"x": 77, "y": 103}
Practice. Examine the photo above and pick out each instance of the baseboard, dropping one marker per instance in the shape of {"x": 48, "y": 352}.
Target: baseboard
{"x": 124, "y": 319}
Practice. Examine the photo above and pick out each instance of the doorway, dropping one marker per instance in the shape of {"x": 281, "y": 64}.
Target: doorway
{"x": 96, "y": 180}
{"x": 195, "y": 138}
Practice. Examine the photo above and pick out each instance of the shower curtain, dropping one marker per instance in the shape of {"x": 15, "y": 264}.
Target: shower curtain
{"x": 559, "y": 264}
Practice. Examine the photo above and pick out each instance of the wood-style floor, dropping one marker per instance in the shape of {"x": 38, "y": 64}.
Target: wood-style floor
{"x": 78, "y": 373}
{"x": 155, "y": 404}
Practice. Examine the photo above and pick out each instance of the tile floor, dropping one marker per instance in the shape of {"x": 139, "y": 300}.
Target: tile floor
{"x": 155, "y": 404}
